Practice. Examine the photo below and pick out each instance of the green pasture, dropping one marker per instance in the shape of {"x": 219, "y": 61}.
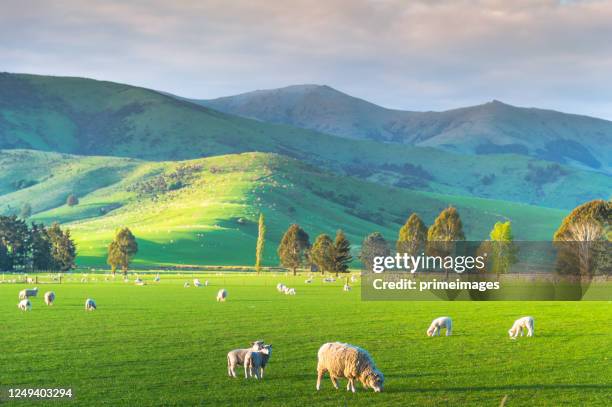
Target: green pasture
{"x": 163, "y": 344}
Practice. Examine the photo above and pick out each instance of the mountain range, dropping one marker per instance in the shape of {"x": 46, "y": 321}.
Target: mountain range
{"x": 490, "y": 128}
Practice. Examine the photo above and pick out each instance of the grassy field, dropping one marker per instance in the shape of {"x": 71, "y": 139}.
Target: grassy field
{"x": 163, "y": 344}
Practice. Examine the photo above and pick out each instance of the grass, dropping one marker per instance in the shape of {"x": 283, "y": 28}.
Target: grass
{"x": 163, "y": 344}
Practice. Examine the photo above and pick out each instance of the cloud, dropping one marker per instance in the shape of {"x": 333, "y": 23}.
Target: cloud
{"x": 414, "y": 55}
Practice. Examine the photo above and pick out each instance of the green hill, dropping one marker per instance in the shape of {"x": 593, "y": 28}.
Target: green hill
{"x": 88, "y": 117}
{"x": 204, "y": 211}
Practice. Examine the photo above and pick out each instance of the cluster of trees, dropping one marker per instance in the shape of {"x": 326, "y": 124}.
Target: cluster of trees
{"x": 26, "y": 247}
{"x": 325, "y": 254}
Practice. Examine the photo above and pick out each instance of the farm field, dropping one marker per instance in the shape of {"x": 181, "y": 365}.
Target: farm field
{"x": 163, "y": 344}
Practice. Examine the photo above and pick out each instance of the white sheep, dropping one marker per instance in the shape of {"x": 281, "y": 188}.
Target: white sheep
{"x": 206, "y": 283}
{"x": 290, "y": 291}
{"x": 353, "y": 278}
{"x": 329, "y": 280}
{"x": 520, "y": 326}
{"x": 186, "y": 285}
{"x": 222, "y": 295}
{"x": 156, "y": 279}
{"x": 346, "y": 287}
{"x": 196, "y": 282}
{"x": 255, "y": 362}
{"x": 49, "y": 297}
{"x": 25, "y": 305}
{"x": 280, "y": 287}
{"x": 439, "y": 323}
{"x": 236, "y": 357}
{"x": 27, "y": 293}
{"x": 90, "y": 305}
{"x": 349, "y": 361}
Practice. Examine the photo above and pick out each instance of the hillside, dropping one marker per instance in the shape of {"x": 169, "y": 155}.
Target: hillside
{"x": 204, "y": 211}
{"x": 491, "y": 128}
{"x": 87, "y": 117}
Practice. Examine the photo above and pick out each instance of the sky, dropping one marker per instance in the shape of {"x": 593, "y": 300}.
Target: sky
{"x": 412, "y": 55}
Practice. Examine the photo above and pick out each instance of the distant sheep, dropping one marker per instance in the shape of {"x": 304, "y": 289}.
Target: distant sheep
{"x": 346, "y": 287}
{"x": 186, "y": 285}
{"x": 196, "y": 282}
{"x": 84, "y": 280}
{"x": 236, "y": 357}
{"x": 222, "y": 295}
{"x": 329, "y": 280}
{"x": 290, "y": 291}
{"x": 520, "y": 326}
{"x": 90, "y": 305}
{"x": 255, "y": 362}
{"x": 27, "y": 293}
{"x": 206, "y": 283}
{"x": 280, "y": 287}
{"x": 156, "y": 279}
{"x": 140, "y": 282}
{"x": 25, "y": 305}
{"x": 353, "y": 278}
{"x": 344, "y": 360}
{"x": 439, "y": 323}
{"x": 49, "y": 297}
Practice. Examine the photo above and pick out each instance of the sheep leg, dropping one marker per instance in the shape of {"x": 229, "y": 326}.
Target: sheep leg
{"x": 348, "y": 385}
{"x": 352, "y": 382}
{"x": 319, "y": 376}
{"x": 246, "y": 371}
{"x": 261, "y": 372}
{"x": 334, "y": 381}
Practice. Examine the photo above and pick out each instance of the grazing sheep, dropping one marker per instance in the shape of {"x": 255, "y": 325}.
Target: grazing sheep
{"x": 255, "y": 362}
{"x": 156, "y": 279}
{"x": 25, "y": 305}
{"x": 49, "y": 297}
{"x": 27, "y": 293}
{"x": 236, "y": 357}
{"x": 90, "y": 305}
{"x": 222, "y": 295}
{"x": 520, "y": 326}
{"x": 346, "y": 287}
{"x": 353, "y": 278}
{"x": 84, "y": 280}
{"x": 329, "y": 280}
{"x": 196, "y": 282}
{"x": 186, "y": 285}
{"x": 280, "y": 287}
{"x": 351, "y": 362}
{"x": 206, "y": 283}
{"x": 137, "y": 281}
{"x": 439, "y": 323}
{"x": 290, "y": 291}
{"x": 140, "y": 282}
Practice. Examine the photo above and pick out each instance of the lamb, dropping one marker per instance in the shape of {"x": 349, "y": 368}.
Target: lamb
{"x": 25, "y": 305}
{"x": 439, "y": 323}
{"x": 255, "y": 362}
{"x": 290, "y": 291}
{"x": 280, "y": 287}
{"x": 346, "y": 287}
{"x": 196, "y": 282}
{"x": 49, "y": 297}
{"x": 90, "y": 305}
{"x": 236, "y": 357}
{"x": 27, "y": 293}
{"x": 519, "y": 327}
{"x": 351, "y": 362}
{"x": 222, "y": 295}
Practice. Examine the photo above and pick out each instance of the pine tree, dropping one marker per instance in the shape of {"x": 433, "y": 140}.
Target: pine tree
{"x": 293, "y": 248}
{"x": 374, "y": 245}
{"x": 322, "y": 253}
{"x": 261, "y": 242}
{"x": 122, "y": 250}
{"x": 63, "y": 249}
{"x": 341, "y": 253}
{"x": 412, "y": 236}
{"x": 42, "y": 258}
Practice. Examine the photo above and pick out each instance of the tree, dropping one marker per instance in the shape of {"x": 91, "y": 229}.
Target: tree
{"x": 341, "y": 253}
{"x": 15, "y": 237}
{"x": 63, "y": 249}
{"x": 261, "y": 242}
{"x": 26, "y": 211}
{"x": 42, "y": 258}
{"x": 412, "y": 236}
{"x": 6, "y": 263}
{"x": 502, "y": 248}
{"x": 374, "y": 245}
{"x": 72, "y": 200}
{"x": 322, "y": 253}
{"x": 122, "y": 250}
{"x": 293, "y": 247}
{"x": 446, "y": 229}
{"x": 582, "y": 239}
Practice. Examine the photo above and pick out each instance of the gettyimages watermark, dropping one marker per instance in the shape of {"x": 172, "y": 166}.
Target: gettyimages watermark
{"x": 488, "y": 271}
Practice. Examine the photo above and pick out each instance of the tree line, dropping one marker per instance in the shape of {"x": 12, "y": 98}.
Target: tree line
{"x": 29, "y": 247}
